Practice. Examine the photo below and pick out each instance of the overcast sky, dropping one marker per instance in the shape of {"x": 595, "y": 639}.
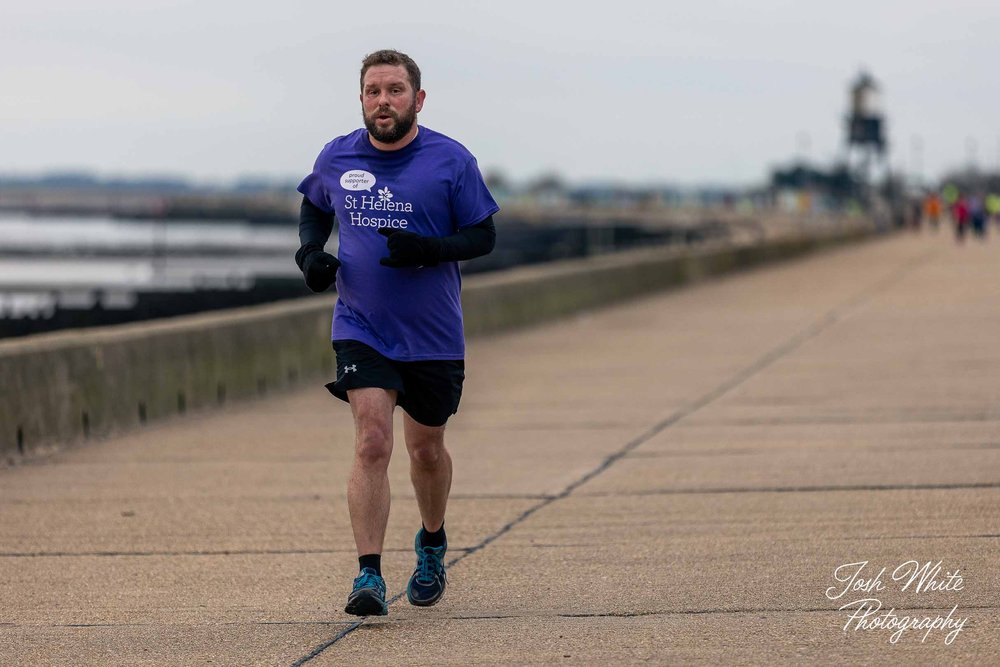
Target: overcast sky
{"x": 637, "y": 91}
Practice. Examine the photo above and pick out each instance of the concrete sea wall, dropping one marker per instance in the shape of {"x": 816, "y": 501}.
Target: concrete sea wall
{"x": 65, "y": 387}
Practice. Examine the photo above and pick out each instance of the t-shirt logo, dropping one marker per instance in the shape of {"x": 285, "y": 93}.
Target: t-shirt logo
{"x": 357, "y": 179}
{"x": 360, "y": 209}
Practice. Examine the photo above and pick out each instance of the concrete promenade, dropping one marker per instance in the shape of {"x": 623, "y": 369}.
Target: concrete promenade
{"x": 673, "y": 480}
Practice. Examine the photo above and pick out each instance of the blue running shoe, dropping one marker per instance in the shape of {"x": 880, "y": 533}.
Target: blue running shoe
{"x": 429, "y": 580}
{"x": 368, "y": 596}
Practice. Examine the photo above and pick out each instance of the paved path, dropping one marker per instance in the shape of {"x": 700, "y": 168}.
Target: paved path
{"x": 673, "y": 480}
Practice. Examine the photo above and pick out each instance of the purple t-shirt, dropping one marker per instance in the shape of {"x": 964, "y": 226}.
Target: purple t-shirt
{"x": 432, "y": 187}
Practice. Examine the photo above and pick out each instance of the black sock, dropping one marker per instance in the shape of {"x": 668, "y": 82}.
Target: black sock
{"x": 435, "y": 539}
{"x": 374, "y": 561}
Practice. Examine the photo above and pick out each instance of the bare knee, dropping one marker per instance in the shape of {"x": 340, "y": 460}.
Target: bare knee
{"x": 372, "y": 408}
{"x": 374, "y": 446}
{"x": 427, "y": 453}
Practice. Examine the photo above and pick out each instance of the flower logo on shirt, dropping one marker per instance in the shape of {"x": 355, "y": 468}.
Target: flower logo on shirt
{"x": 384, "y": 194}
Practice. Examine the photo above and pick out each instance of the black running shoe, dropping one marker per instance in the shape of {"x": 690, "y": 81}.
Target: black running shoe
{"x": 368, "y": 596}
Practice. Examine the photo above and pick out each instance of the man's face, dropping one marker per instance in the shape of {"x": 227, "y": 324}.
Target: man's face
{"x": 389, "y": 103}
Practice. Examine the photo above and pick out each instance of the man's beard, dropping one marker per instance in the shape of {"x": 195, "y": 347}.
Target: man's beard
{"x": 397, "y": 130}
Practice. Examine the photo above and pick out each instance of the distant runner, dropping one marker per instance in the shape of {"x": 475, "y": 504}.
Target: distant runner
{"x": 932, "y": 209}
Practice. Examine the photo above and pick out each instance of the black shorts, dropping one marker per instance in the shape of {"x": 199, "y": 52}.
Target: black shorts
{"x": 429, "y": 391}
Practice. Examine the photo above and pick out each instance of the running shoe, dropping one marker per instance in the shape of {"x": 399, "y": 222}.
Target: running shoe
{"x": 368, "y": 596}
{"x": 428, "y": 580}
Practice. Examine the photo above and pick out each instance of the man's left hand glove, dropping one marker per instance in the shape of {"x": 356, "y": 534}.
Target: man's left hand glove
{"x": 409, "y": 249}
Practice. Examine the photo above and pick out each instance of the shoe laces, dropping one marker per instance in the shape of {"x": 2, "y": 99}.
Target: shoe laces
{"x": 368, "y": 579}
{"x": 429, "y": 564}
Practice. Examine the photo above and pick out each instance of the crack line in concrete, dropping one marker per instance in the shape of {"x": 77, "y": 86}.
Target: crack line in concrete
{"x": 330, "y": 642}
{"x": 288, "y": 623}
{"x": 501, "y": 617}
{"x": 501, "y": 496}
{"x": 791, "y": 489}
{"x": 915, "y": 537}
{"x": 249, "y": 552}
{"x": 754, "y": 451}
{"x": 777, "y": 610}
{"x": 833, "y": 316}
{"x": 921, "y": 418}
{"x": 126, "y": 554}
{"x": 126, "y": 502}
{"x": 154, "y": 624}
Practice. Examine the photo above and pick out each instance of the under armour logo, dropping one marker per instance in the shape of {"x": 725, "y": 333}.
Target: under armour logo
{"x": 352, "y": 367}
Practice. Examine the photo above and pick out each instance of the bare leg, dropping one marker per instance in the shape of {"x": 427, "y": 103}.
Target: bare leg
{"x": 368, "y": 487}
{"x": 430, "y": 470}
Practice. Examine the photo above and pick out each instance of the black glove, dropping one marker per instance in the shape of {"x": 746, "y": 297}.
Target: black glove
{"x": 318, "y": 267}
{"x": 409, "y": 249}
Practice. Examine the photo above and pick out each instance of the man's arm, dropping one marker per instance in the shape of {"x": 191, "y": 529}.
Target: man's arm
{"x": 469, "y": 243}
{"x": 409, "y": 249}
{"x": 318, "y": 267}
{"x": 315, "y": 224}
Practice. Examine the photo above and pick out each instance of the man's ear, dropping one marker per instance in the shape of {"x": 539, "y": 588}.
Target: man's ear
{"x": 421, "y": 94}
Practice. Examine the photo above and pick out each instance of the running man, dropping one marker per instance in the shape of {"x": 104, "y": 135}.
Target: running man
{"x": 411, "y": 203}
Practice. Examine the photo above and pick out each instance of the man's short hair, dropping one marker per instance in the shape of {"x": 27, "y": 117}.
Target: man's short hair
{"x": 391, "y": 57}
